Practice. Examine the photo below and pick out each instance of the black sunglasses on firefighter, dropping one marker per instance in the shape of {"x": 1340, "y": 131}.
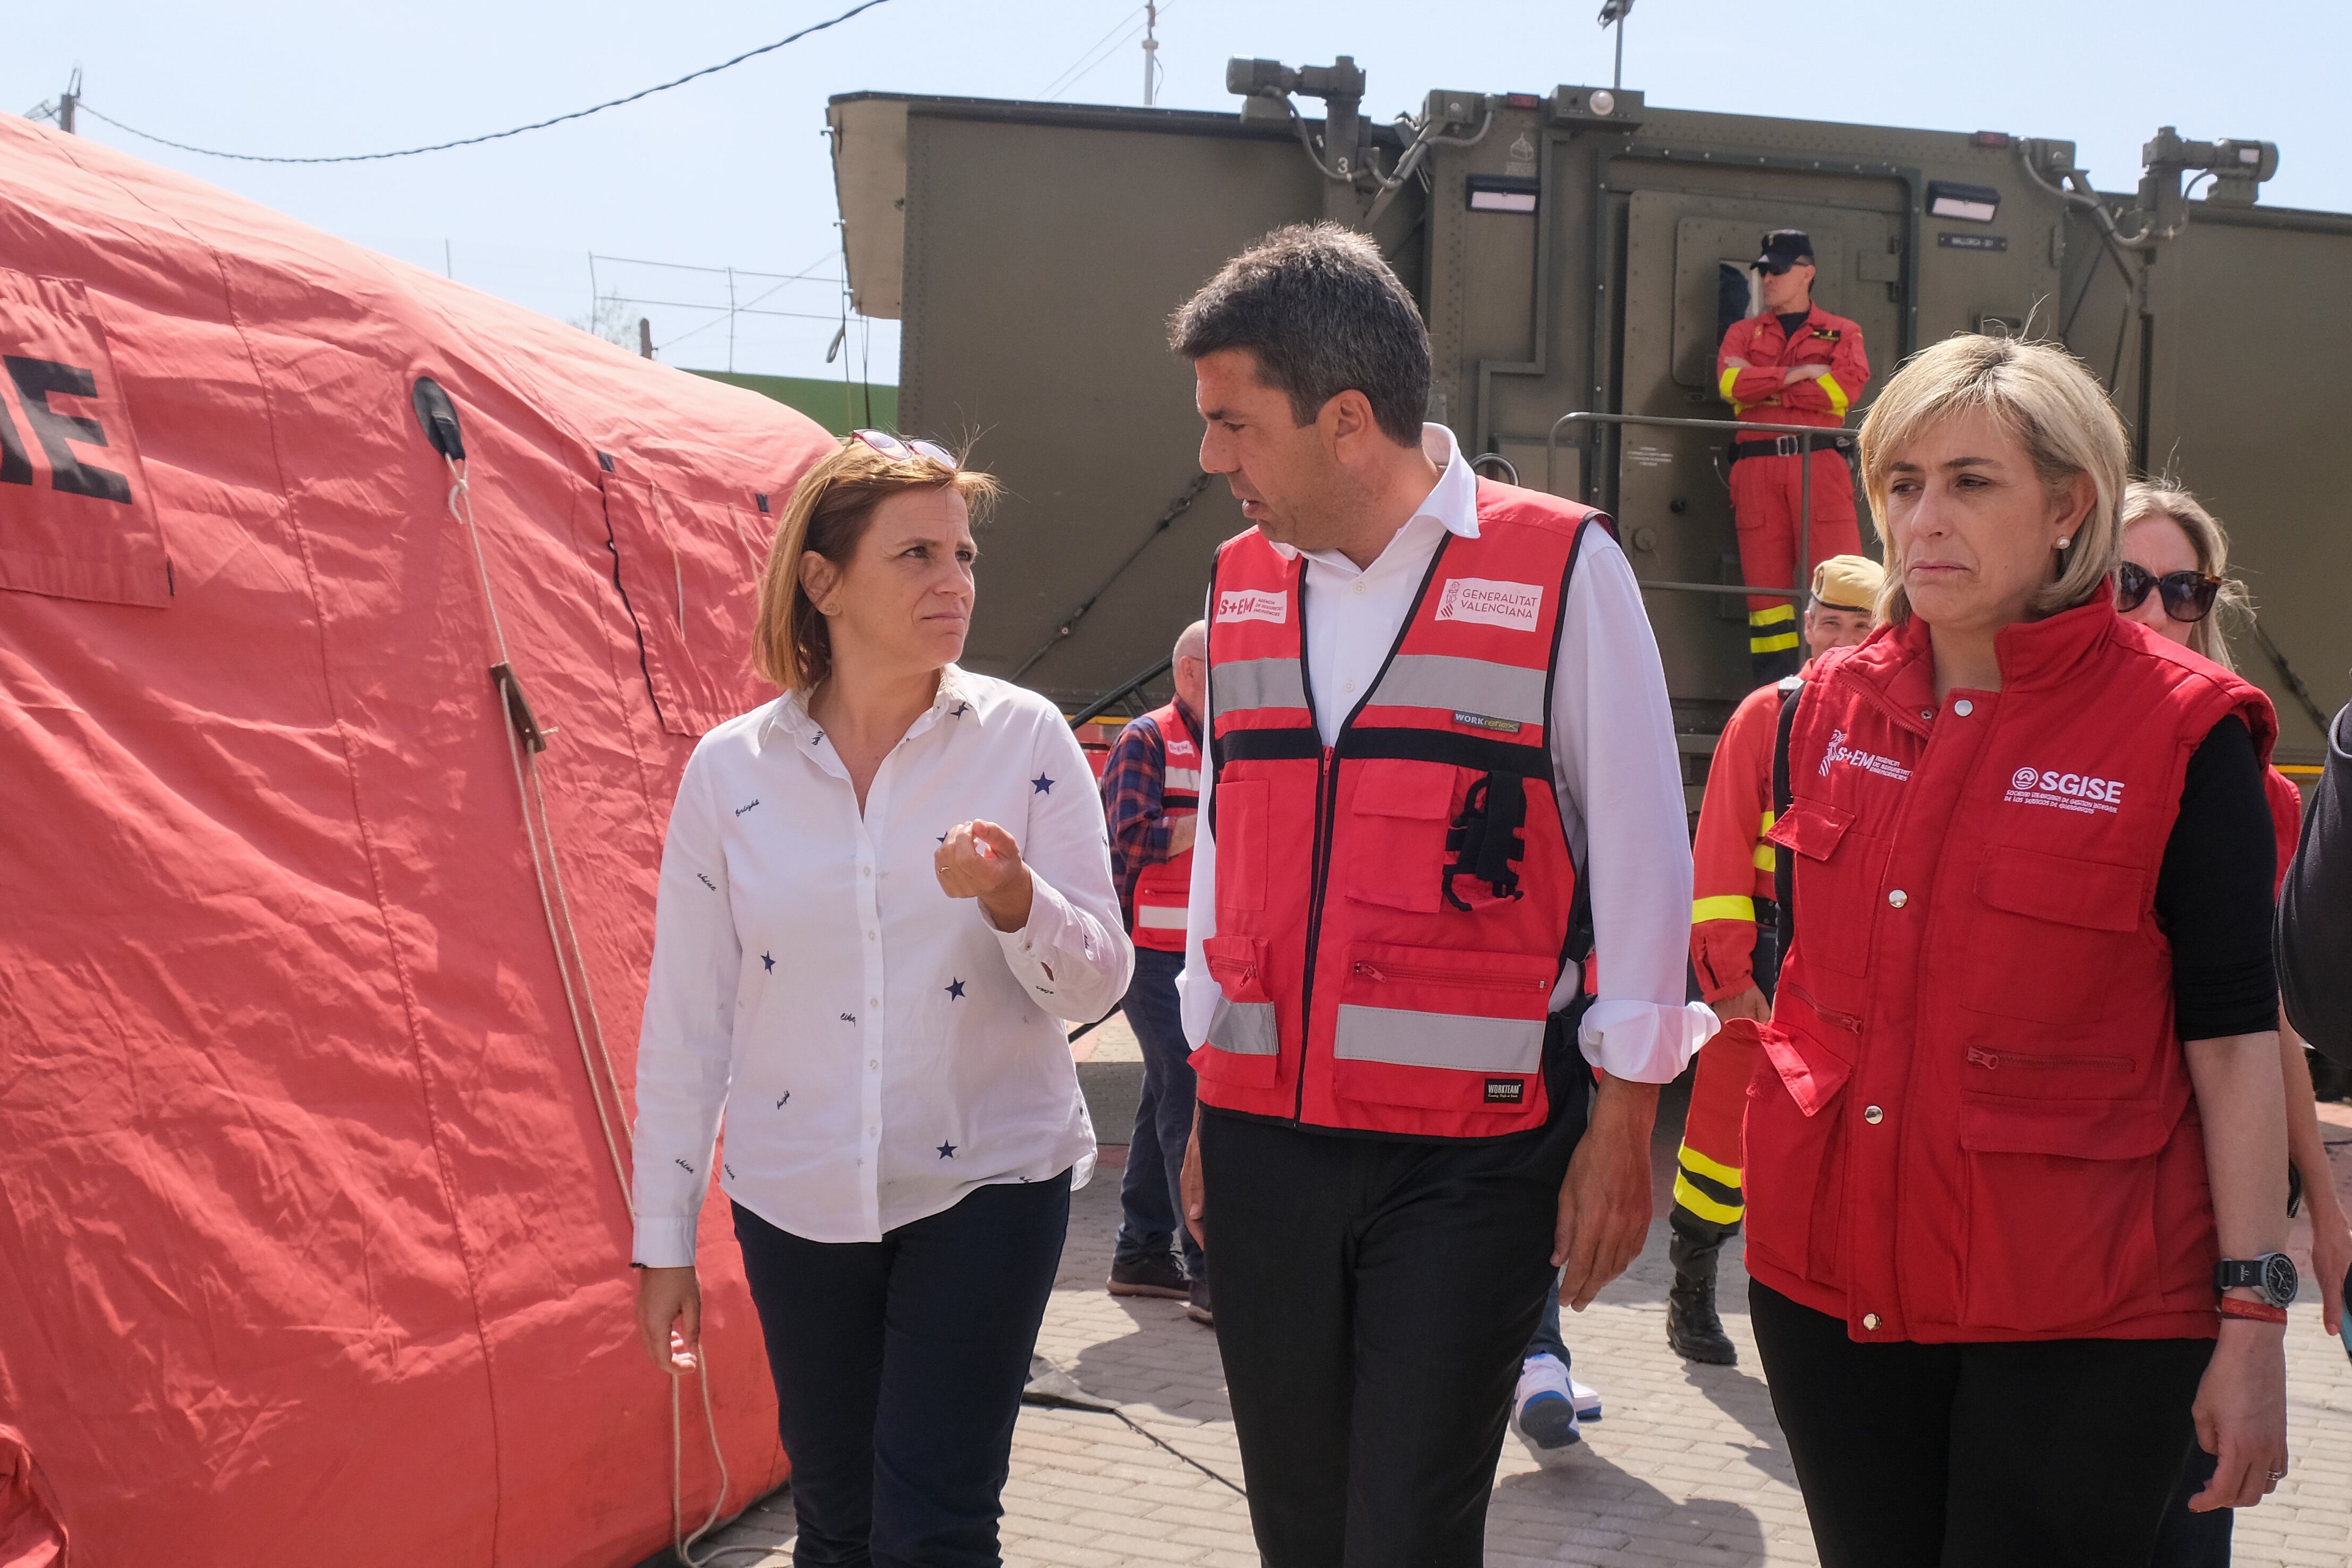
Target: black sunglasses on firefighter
{"x": 2188, "y": 595}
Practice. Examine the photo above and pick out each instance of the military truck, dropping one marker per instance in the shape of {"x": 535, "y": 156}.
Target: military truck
{"x": 1577, "y": 255}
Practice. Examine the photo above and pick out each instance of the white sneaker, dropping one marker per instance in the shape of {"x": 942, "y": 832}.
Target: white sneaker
{"x": 1543, "y": 1410}
{"x": 1586, "y": 1400}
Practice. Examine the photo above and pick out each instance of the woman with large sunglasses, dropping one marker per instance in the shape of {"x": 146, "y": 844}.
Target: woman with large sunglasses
{"x": 2020, "y": 1101}
{"x": 2175, "y": 574}
{"x": 879, "y": 893}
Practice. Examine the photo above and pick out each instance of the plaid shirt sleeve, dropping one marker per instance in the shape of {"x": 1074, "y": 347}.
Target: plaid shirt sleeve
{"x": 1131, "y": 785}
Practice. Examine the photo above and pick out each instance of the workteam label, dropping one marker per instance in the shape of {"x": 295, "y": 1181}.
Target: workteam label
{"x": 1250, "y": 605}
{"x": 2067, "y": 791}
{"x": 1518, "y": 606}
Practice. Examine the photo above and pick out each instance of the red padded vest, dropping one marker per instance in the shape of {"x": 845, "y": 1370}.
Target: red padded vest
{"x": 1973, "y": 1120}
{"x": 1394, "y": 911}
{"x": 1162, "y": 891}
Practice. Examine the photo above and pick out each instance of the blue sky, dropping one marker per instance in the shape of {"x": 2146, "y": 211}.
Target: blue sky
{"x": 732, "y": 171}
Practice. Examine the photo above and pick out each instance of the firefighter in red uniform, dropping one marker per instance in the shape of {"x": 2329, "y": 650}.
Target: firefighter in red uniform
{"x": 1793, "y": 364}
{"x": 1735, "y": 952}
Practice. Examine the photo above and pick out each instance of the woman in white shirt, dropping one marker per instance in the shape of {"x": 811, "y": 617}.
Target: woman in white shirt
{"x": 865, "y": 971}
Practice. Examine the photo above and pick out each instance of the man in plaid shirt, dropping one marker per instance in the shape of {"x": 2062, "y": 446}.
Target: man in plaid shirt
{"x": 1151, "y": 794}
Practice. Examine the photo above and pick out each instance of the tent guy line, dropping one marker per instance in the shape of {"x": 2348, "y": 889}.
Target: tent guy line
{"x": 865, "y": 5}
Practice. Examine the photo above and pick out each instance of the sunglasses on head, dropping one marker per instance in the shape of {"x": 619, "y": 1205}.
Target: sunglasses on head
{"x": 2188, "y": 595}
{"x": 905, "y": 451}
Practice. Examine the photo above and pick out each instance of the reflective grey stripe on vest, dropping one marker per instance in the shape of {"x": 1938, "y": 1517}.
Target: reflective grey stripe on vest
{"x": 1246, "y": 1028}
{"x": 1439, "y": 1039}
{"x": 1462, "y": 685}
{"x": 1256, "y": 683}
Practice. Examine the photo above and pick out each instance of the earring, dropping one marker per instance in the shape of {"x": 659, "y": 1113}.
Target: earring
{"x": 2063, "y": 543}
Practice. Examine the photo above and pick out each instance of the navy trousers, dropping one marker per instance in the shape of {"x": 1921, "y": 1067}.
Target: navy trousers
{"x": 899, "y": 1366}
{"x": 1151, "y": 1199}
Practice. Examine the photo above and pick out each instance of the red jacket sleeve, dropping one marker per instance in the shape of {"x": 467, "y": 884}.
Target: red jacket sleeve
{"x": 1744, "y": 389}
{"x": 1838, "y": 390}
{"x": 1729, "y": 859}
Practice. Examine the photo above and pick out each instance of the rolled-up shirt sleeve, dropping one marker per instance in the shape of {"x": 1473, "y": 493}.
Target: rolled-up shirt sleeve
{"x": 1620, "y": 793}
{"x": 1073, "y": 957}
{"x": 687, "y": 1044}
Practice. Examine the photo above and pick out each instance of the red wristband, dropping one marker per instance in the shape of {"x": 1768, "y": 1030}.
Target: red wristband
{"x": 2260, "y": 1312}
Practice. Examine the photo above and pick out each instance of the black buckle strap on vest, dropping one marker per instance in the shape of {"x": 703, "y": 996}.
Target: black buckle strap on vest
{"x": 1486, "y": 838}
{"x": 1789, "y": 445}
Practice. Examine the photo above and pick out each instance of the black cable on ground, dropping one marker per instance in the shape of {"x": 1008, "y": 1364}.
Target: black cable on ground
{"x": 495, "y": 135}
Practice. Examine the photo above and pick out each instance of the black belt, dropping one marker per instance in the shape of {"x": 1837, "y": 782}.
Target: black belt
{"x": 1788, "y": 446}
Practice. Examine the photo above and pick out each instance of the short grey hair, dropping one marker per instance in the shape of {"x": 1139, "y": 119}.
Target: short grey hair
{"x": 1324, "y": 313}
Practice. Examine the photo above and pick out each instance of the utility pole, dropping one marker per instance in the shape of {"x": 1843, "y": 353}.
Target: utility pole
{"x": 1151, "y": 52}
{"x": 66, "y": 102}
{"x": 645, "y": 336}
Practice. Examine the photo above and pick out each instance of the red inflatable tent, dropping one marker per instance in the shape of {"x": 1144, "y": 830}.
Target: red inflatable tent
{"x": 311, "y": 1245}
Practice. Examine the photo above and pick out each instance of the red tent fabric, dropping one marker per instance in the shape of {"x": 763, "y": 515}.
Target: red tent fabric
{"x": 311, "y": 1247}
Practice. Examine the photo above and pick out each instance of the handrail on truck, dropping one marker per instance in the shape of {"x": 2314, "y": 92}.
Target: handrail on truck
{"x": 1809, "y": 434}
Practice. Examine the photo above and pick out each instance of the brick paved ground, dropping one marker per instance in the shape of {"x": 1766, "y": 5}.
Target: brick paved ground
{"x": 1687, "y": 1468}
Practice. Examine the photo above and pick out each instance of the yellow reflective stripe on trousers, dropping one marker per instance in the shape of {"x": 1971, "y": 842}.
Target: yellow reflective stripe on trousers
{"x": 1724, "y": 906}
{"x": 1699, "y": 1165}
{"x": 1771, "y": 644}
{"x": 1838, "y": 400}
{"x": 1698, "y": 1203}
{"x": 1764, "y": 861}
{"x": 1772, "y": 614}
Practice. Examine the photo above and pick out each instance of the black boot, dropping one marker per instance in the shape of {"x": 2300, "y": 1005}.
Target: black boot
{"x": 1692, "y": 1326}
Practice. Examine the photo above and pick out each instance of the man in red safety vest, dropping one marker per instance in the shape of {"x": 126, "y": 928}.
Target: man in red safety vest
{"x": 1736, "y": 953}
{"x": 1151, "y": 789}
{"x": 1441, "y": 759}
{"x": 1794, "y": 363}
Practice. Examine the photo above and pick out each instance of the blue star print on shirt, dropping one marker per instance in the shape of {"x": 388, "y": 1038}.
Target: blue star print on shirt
{"x": 955, "y": 990}
{"x": 947, "y": 1151}
{"x": 1043, "y": 785}
{"x": 770, "y": 960}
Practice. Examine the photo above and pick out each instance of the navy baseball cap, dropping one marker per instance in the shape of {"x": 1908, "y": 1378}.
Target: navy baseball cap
{"x": 1783, "y": 248}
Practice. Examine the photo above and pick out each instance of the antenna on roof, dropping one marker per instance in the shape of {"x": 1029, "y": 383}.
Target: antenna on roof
{"x": 1613, "y": 14}
{"x": 1151, "y": 51}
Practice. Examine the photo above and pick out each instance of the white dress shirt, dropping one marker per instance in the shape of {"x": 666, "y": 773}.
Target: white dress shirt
{"x": 878, "y": 1048}
{"x": 1611, "y": 740}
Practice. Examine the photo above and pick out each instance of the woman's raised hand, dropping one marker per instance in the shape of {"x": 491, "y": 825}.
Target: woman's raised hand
{"x": 982, "y": 861}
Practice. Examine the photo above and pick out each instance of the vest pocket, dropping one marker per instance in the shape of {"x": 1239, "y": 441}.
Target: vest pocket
{"x": 1837, "y": 879}
{"x": 1241, "y": 806}
{"x": 1243, "y": 1048}
{"x": 1443, "y": 1028}
{"x": 1795, "y": 1151}
{"x": 2067, "y": 918}
{"x": 1396, "y": 816}
{"x": 2060, "y": 1226}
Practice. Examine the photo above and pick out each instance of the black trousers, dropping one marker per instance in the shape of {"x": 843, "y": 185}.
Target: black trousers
{"x": 1151, "y": 1196}
{"x": 898, "y": 1367}
{"x": 2061, "y": 1453}
{"x": 1374, "y": 1297}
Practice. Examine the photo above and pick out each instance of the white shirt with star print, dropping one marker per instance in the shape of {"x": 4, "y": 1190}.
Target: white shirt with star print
{"x": 878, "y": 1049}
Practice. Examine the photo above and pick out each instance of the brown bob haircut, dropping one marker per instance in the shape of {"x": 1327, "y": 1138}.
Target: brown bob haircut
{"x": 831, "y": 508}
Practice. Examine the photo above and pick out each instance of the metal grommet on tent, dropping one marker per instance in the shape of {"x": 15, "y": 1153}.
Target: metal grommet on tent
{"x": 438, "y": 416}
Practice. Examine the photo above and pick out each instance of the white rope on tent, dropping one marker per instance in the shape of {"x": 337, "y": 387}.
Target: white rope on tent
{"x": 547, "y": 869}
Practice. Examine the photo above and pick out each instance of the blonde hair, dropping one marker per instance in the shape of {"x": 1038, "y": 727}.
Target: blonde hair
{"x": 2043, "y": 398}
{"x": 792, "y": 646}
{"x": 2149, "y": 499}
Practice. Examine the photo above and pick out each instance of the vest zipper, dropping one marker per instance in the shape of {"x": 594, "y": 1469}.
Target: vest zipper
{"x": 1991, "y": 1060}
{"x": 1447, "y": 977}
{"x": 1327, "y": 785}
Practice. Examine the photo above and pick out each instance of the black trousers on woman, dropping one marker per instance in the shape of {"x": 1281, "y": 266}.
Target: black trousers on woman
{"x": 898, "y": 1367}
{"x": 2061, "y": 1453}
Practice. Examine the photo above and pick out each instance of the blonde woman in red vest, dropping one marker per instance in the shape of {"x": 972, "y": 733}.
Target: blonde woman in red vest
{"x": 2016, "y": 1158}
{"x": 2174, "y": 579}
{"x": 1151, "y": 791}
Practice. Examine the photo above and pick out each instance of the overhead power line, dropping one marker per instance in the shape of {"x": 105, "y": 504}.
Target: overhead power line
{"x": 496, "y": 135}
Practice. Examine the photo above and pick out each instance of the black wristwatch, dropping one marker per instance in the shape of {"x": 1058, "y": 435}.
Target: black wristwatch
{"x": 2271, "y": 1276}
